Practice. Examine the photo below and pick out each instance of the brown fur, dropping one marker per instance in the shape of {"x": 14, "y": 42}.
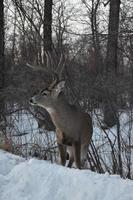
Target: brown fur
{"x": 6, "y": 147}
{"x": 73, "y": 127}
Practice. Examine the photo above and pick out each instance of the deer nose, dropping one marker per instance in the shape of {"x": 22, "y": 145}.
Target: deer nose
{"x": 31, "y": 101}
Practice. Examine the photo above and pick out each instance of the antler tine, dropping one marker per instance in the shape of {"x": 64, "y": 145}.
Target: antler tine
{"x": 50, "y": 64}
{"x": 35, "y": 68}
{"x": 51, "y": 59}
{"x": 60, "y": 66}
{"x": 55, "y": 80}
{"x": 47, "y": 60}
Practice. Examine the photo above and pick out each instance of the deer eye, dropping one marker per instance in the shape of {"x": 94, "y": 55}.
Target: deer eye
{"x": 43, "y": 92}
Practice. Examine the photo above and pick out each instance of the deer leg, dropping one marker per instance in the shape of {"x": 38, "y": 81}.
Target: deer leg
{"x": 71, "y": 160}
{"x": 84, "y": 149}
{"x": 76, "y": 152}
{"x": 71, "y": 157}
{"x": 62, "y": 152}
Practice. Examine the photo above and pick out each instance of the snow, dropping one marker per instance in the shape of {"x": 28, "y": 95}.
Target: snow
{"x": 8, "y": 161}
{"x": 40, "y": 180}
{"x": 42, "y": 143}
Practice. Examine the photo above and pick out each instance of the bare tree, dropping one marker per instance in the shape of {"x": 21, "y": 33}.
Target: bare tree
{"x": 110, "y": 109}
{"x": 2, "y": 73}
{"x": 2, "y": 68}
{"x": 48, "y": 25}
{"x": 110, "y": 115}
{"x": 112, "y": 45}
{"x": 93, "y": 15}
{"x": 1, "y": 44}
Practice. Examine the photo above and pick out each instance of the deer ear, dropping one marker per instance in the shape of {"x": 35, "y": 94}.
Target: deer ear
{"x": 59, "y": 87}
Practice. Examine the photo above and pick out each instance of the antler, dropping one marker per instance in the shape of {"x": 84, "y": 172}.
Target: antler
{"x": 49, "y": 61}
{"x": 36, "y": 68}
{"x": 49, "y": 64}
{"x": 54, "y": 82}
{"x": 60, "y": 67}
{"x": 56, "y": 73}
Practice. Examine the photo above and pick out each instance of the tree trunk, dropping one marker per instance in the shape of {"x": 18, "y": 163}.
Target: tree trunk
{"x": 111, "y": 58}
{"x": 1, "y": 44}
{"x": 95, "y": 36}
{"x": 110, "y": 108}
{"x": 48, "y": 25}
{"x": 2, "y": 127}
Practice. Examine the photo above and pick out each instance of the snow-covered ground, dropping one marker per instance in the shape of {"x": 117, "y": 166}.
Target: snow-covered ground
{"x": 40, "y": 180}
{"x": 41, "y": 143}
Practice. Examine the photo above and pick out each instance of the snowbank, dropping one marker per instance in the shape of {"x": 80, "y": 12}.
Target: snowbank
{"x": 40, "y": 180}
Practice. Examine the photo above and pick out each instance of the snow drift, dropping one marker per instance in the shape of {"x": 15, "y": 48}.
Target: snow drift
{"x": 39, "y": 180}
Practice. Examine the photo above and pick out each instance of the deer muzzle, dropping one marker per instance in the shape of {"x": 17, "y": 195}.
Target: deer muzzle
{"x": 32, "y": 101}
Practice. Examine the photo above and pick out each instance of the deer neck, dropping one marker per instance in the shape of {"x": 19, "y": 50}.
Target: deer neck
{"x": 59, "y": 108}
{"x": 58, "y": 105}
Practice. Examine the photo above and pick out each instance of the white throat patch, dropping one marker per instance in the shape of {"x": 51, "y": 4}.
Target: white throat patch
{"x": 50, "y": 110}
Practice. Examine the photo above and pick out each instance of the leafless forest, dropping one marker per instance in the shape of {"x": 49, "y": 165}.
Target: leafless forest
{"x": 95, "y": 38}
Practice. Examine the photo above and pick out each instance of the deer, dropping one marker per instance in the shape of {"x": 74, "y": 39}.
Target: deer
{"x": 73, "y": 127}
{"x": 6, "y": 144}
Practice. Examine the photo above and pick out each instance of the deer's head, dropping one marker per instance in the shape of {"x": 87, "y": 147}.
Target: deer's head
{"x": 48, "y": 96}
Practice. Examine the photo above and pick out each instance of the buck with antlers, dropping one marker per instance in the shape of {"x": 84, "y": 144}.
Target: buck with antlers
{"x": 73, "y": 127}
